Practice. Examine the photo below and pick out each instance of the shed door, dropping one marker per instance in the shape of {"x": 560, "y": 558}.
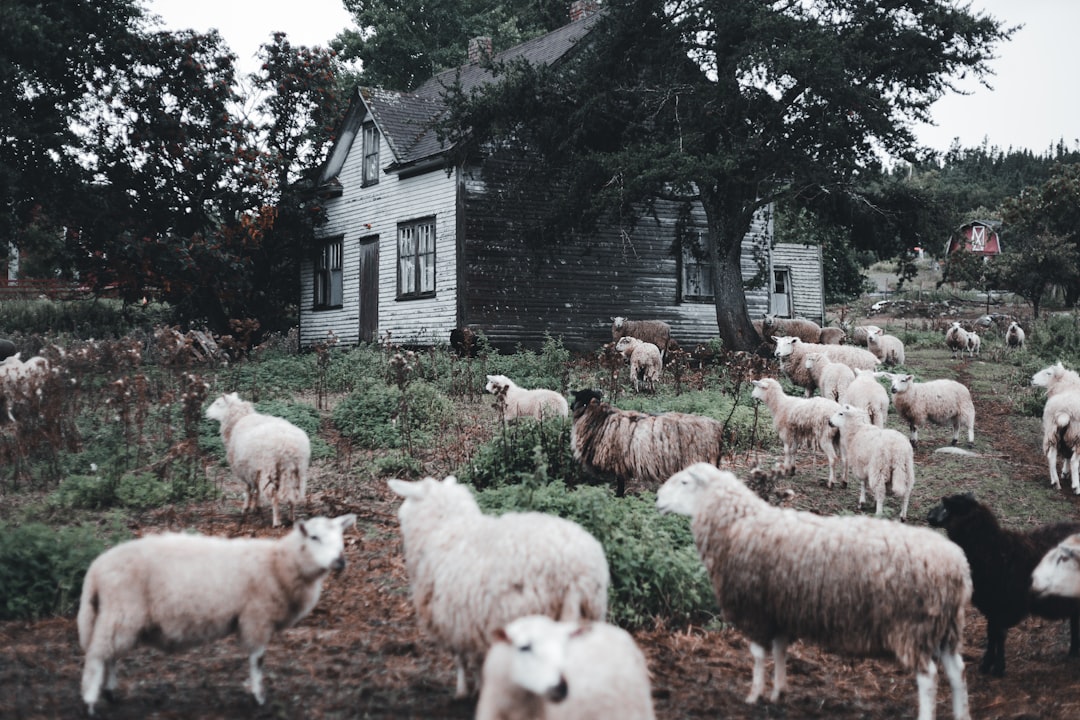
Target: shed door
{"x": 369, "y": 288}
{"x": 781, "y": 293}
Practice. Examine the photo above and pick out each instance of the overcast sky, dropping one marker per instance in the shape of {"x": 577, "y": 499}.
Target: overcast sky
{"x": 1033, "y": 104}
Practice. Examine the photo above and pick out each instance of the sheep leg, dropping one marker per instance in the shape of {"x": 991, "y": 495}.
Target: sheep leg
{"x": 1074, "y": 634}
{"x": 255, "y": 662}
{"x": 862, "y": 493}
{"x": 779, "y": 649}
{"x": 993, "y": 661}
{"x": 93, "y": 678}
{"x": 757, "y": 683}
{"x": 1051, "y": 459}
{"x": 462, "y": 688}
{"x": 926, "y": 679}
{"x": 1074, "y": 472}
{"x": 110, "y": 681}
{"x": 953, "y": 665}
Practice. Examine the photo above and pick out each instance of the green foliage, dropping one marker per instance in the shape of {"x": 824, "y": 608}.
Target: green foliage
{"x": 397, "y": 465}
{"x": 515, "y": 454}
{"x": 42, "y": 569}
{"x": 132, "y": 490}
{"x": 372, "y": 415}
{"x": 82, "y": 319}
{"x": 1055, "y": 338}
{"x": 548, "y": 368}
{"x": 655, "y": 569}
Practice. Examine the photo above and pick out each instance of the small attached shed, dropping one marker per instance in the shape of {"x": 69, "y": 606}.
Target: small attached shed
{"x": 982, "y": 237}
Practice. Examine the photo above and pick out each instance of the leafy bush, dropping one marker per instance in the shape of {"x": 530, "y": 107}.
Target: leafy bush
{"x": 94, "y": 318}
{"x": 1056, "y": 337}
{"x": 372, "y": 416}
{"x": 135, "y": 490}
{"x": 514, "y": 454}
{"x": 655, "y": 569}
{"x": 42, "y": 569}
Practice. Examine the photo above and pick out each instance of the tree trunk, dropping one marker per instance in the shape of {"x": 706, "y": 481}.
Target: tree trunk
{"x": 728, "y": 225}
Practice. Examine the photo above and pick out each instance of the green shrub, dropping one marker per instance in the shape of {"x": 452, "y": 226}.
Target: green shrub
{"x": 372, "y": 415}
{"x": 514, "y": 454}
{"x": 398, "y": 465}
{"x": 655, "y": 569}
{"x": 135, "y": 490}
{"x": 42, "y": 569}
{"x": 1054, "y": 338}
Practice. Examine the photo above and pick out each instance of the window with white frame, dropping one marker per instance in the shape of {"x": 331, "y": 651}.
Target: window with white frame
{"x": 328, "y": 274}
{"x": 416, "y": 259}
{"x": 371, "y": 154}
{"x": 697, "y": 273}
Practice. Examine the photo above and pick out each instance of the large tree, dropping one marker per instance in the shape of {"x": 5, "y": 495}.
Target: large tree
{"x": 730, "y": 103}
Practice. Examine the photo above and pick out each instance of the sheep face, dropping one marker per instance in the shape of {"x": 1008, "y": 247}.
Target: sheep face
{"x": 848, "y": 414}
{"x": 679, "y": 495}
{"x": 811, "y": 360}
{"x": 762, "y": 388}
{"x": 951, "y": 510}
{"x": 1058, "y": 573}
{"x": 785, "y": 346}
{"x": 539, "y": 647}
{"x": 900, "y": 383}
{"x": 437, "y": 496}
{"x": 626, "y": 345}
{"x": 324, "y": 540}
{"x": 1047, "y": 375}
{"x": 582, "y": 398}
{"x": 497, "y": 384}
{"x": 219, "y": 409}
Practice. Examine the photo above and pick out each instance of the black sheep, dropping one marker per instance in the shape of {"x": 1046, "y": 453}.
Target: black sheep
{"x": 1001, "y": 564}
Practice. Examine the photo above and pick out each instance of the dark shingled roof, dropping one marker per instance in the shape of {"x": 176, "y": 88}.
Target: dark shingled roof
{"x": 406, "y": 120}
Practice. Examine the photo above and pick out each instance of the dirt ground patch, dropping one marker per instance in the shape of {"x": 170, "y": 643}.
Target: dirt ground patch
{"x": 360, "y": 655}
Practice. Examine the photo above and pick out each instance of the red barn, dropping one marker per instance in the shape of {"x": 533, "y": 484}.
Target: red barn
{"x": 978, "y": 236}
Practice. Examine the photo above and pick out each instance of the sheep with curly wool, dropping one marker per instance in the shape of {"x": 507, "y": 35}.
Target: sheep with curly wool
{"x": 646, "y": 364}
{"x": 656, "y": 332}
{"x": 1001, "y": 563}
{"x": 888, "y": 348}
{"x": 175, "y": 591}
{"x": 791, "y": 352}
{"x": 806, "y": 330}
{"x": 800, "y": 422}
{"x": 471, "y": 573}
{"x": 942, "y": 402}
{"x": 634, "y": 447}
{"x": 541, "y": 669}
{"x": 268, "y": 454}
{"x": 956, "y": 338}
{"x": 893, "y": 590}
{"x": 832, "y": 378}
{"x": 1061, "y": 421}
{"x": 1058, "y": 573}
{"x": 867, "y": 394}
{"x": 882, "y": 458}
{"x": 517, "y": 402}
{"x": 1014, "y": 336}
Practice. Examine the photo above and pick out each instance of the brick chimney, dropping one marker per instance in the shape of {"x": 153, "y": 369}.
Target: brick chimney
{"x": 479, "y": 49}
{"x": 580, "y": 9}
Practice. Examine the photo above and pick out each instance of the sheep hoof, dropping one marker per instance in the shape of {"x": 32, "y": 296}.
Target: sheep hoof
{"x": 109, "y": 696}
{"x": 954, "y": 442}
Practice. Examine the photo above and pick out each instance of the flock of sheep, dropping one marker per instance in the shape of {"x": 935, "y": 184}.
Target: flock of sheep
{"x": 526, "y": 623}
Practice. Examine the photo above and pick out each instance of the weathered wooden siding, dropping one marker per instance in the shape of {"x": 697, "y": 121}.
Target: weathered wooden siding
{"x": 377, "y": 210}
{"x": 807, "y": 288}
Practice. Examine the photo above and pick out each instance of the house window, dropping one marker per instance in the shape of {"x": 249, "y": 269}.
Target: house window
{"x": 328, "y": 275}
{"x": 697, "y": 273}
{"x": 416, "y": 259}
{"x": 371, "y": 154}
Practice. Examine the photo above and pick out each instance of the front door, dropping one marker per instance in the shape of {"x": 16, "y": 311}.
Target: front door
{"x": 369, "y": 288}
{"x": 781, "y": 293}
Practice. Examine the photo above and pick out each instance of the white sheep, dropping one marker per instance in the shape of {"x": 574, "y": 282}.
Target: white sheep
{"x": 20, "y": 380}
{"x": 1058, "y": 573}
{"x": 857, "y": 585}
{"x": 537, "y": 403}
{"x": 541, "y": 669}
{"x": 974, "y": 344}
{"x": 888, "y": 348}
{"x": 268, "y": 454}
{"x": 832, "y": 336}
{"x": 867, "y": 394}
{"x": 791, "y": 352}
{"x": 942, "y": 402}
{"x": 656, "y": 332}
{"x": 806, "y": 330}
{"x": 831, "y": 378}
{"x": 859, "y": 333}
{"x": 882, "y": 458}
{"x": 175, "y": 591}
{"x": 646, "y": 363}
{"x": 800, "y": 422}
{"x": 956, "y": 338}
{"x": 1014, "y": 336}
{"x": 1061, "y": 421}
{"x": 472, "y": 573}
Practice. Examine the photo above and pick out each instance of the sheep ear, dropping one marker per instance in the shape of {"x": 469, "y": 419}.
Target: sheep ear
{"x": 346, "y": 521}
{"x": 302, "y": 528}
{"x": 582, "y": 629}
{"x": 450, "y": 480}
{"x": 406, "y": 489}
{"x": 499, "y": 636}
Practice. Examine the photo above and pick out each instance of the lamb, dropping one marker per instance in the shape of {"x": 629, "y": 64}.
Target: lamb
{"x": 176, "y": 591}
{"x": 268, "y": 454}
{"x": 20, "y": 381}
{"x": 974, "y": 344}
{"x": 832, "y": 378}
{"x": 1058, "y": 573}
{"x": 540, "y": 669}
{"x": 831, "y": 336}
{"x": 956, "y": 338}
{"x": 471, "y": 573}
{"x": 538, "y": 403}
{"x": 882, "y": 457}
{"x": 888, "y": 348}
{"x": 631, "y": 446}
{"x": 1001, "y": 565}
{"x": 942, "y": 402}
{"x": 656, "y": 332}
{"x": 867, "y": 394}
{"x": 791, "y": 351}
{"x": 646, "y": 363}
{"x": 859, "y": 333}
{"x": 1014, "y": 336}
{"x": 800, "y": 421}
{"x": 894, "y": 590}
{"x": 1061, "y": 421}
{"x": 806, "y": 330}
